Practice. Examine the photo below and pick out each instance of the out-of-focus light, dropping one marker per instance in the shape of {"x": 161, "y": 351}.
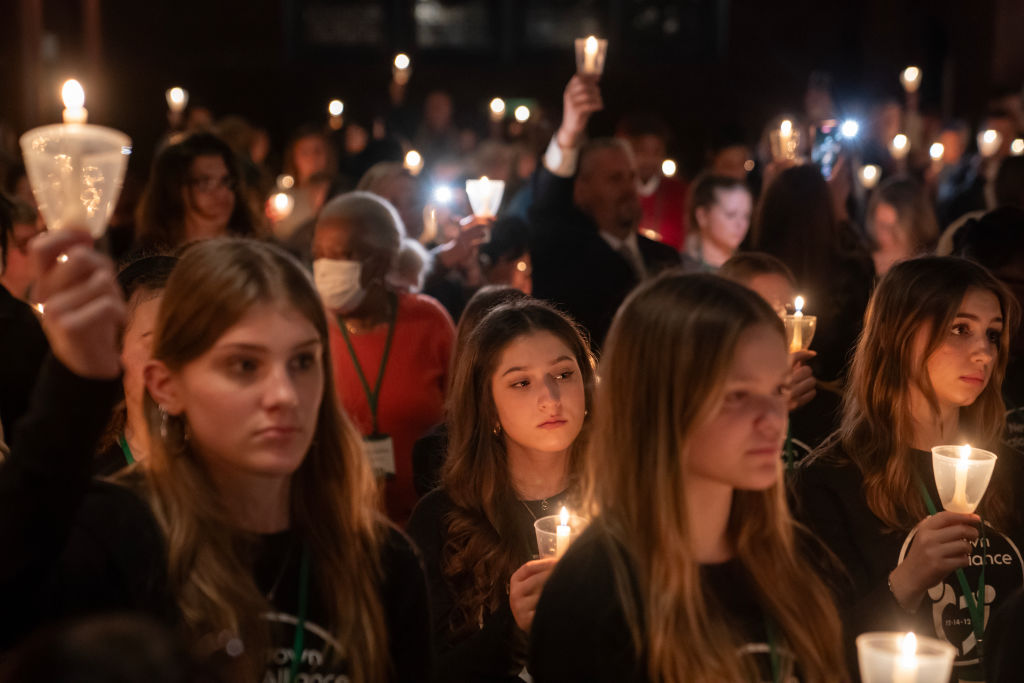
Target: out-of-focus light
{"x": 989, "y": 142}
{"x": 402, "y": 61}
{"x": 498, "y": 105}
{"x": 849, "y": 128}
{"x": 443, "y": 194}
{"x": 748, "y": 165}
{"x": 911, "y": 78}
{"x": 335, "y": 107}
{"x": 285, "y": 182}
{"x": 177, "y": 99}
{"x": 936, "y": 151}
{"x": 668, "y": 168}
{"x": 652, "y": 234}
{"x": 281, "y": 204}
{"x": 413, "y": 162}
{"x": 521, "y": 266}
{"x": 522, "y": 113}
{"x": 1017, "y": 147}
{"x": 869, "y": 175}
{"x": 73, "y": 94}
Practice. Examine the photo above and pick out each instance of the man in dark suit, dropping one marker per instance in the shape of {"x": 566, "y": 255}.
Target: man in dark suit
{"x": 22, "y": 343}
{"x": 586, "y": 252}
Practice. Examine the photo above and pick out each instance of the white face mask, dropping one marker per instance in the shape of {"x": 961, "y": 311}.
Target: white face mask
{"x": 339, "y": 283}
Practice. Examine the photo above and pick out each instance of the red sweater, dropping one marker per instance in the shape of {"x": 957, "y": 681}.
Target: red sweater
{"x": 664, "y": 212}
{"x": 413, "y": 389}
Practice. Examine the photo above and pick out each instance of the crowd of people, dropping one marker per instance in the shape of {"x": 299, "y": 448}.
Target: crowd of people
{"x": 302, "y": 426}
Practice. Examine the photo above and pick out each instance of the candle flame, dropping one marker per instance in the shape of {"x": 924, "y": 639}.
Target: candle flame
{"x": 798, "y": 304}
{"x": 590, "y": 45}
{"x": 336, "y": 107}
{"x": 498, "y": 105}
{"x": 281, "y": 201}
{"x": 522, "y": 113}
{"x": 965, "y": 452}
{"x": 413, "y": 158}
{"x": 786, "y": 127}
{"x": 869, "y": 172}
{"x": 177, "y": 95}
{"x": 73, "y": 94}
{"x": 900, "y": 141}
{"x": 402, "y": 61}
{"x": 911, "y": 73}
{"x": 908, "y": 646}
{"x": 668, "y": 168}
{"x": 1017, "y": 147}
{"x": 936, "y": 151}
{"x": 483, "y": 179}
{"x": 563, "y": 517}
{"x": 989, "y": 136}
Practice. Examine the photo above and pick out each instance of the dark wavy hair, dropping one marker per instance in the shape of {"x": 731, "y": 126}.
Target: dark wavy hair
{"x": 485, "y": 543}
{"x": 161, "y": 213}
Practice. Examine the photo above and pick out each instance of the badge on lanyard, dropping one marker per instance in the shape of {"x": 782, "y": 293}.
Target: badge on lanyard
{"x": 380, "y": 449}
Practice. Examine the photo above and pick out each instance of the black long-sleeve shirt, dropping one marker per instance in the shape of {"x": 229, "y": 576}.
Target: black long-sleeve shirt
{"x": 829, "y": 499}
{"x": 496, "y": 652}
{"x": 74, "y": 546}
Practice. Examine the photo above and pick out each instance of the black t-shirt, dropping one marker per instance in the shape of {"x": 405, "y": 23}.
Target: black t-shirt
{"x": 829, "y": 498}
{"x": 496, "y": 651}
{"x": 580, "y": 632}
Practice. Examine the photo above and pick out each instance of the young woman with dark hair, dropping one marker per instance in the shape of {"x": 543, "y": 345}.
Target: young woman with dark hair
{"x": 927, "y": 372}
{"x": 517, "y": 421}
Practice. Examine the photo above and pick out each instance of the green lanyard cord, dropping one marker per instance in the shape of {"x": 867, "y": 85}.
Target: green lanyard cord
{"x": 300, "y": 627}
{"x": 975, "y": 602}
{"x": 773, "y": 651}
{"x": 126, "y": 450}
{"x": 372, "y": 397}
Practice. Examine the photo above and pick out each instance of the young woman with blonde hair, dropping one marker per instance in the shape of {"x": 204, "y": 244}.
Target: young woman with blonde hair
{"x": 692, "y": 568}
{"x": 518, "y": 423}
{"x": 252, "y": 522}
{"x": 927, "y": 371}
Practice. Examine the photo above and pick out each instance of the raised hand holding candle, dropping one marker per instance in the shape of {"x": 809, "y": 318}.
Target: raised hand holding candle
{"x": 961, "y": 475}
{"x": 590, "y": 55}
{"x": 563, "y": 533}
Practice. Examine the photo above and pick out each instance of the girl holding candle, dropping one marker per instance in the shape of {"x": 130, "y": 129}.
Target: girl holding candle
{"x": 518, "y": 422}
{"x": 692, "y": 569}
{"x": 252, "y": 522}
{"x": 927, "y": 372}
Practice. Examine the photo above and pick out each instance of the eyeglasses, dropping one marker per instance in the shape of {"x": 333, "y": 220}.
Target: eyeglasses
{"x": 209, "y": 183}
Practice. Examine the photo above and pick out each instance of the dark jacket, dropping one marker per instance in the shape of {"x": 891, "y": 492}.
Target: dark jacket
{"x": 22, "y": 349}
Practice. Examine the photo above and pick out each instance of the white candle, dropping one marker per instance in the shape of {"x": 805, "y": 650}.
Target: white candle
{"x": 590, "y": 55}
{"x": 959, "y": 502}
{"x": 798, "y": 334}
{"x": 177, "y": 99}
{"x": 911, "y": 78}
{"x": 900, "y": 147}
{"x": 906, "y": 666}
{"x": 74, "y": 98}
{"x": 563, "y": 533}
{"x": 485, "y": 196}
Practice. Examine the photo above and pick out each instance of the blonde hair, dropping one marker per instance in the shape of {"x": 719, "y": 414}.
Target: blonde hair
{"x": 333, "y": 495}
{"x": 668, "y": 353}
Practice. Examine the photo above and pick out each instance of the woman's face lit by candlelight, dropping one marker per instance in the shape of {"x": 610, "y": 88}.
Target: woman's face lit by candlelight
{"x": 741, "y": 443}
{"x": 961, "y": 367}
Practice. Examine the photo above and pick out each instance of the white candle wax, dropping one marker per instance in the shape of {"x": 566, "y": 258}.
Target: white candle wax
{"x": 590, "y": 55}
{"x": 798, "y": 334}
{"x": 563, "y": 533}
{"x": 906, "y": 666}
{"x": 959, "y": 502}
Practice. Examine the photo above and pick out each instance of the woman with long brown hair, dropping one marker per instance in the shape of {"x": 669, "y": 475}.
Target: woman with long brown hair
{"x": 254, "y": 515}
{"x": 692, "y": 569}
{"x": 518, "y": 415}
{"x": 927, "y": 372}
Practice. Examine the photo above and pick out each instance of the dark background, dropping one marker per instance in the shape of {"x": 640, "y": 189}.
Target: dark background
{"x": 700, "y": 63}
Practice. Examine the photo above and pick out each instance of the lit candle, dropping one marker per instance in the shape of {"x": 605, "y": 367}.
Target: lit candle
{"x": 911, "y": 78}
{"x": 590, "y": 55}
{"x": 563, "y": 533}
{"x": 959, "y": 502}
{"x": 906, "y": 666}
{"x": 74, "y": 100}
{"x": 177, "y": 99}
{"x": 497, "y": 109}
{"x": 900, "y": 147}
{"x": 335, "y": 107}
{"x": 522, "y": 113}
{"x": 668, "y": 168}
{"x": 936, "y": 151}
{"x": 988, "y": 142}
{"x": 485, "y": 196}
{"x": 413, "y": 162}
{"x": 401, "y": 70}
{"x": 281, "y": 205}
{"x": 869, "y": 175}
{"x": 785, "y": 136}
{"x": 1017, "y": 147}
{"x": 797, "y": 344}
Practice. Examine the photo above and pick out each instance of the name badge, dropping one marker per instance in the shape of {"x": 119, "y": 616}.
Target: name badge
{"x": 381, "y": 451}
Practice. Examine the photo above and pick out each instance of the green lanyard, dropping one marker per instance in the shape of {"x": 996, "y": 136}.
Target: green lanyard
{"x": 975, "y": 602}
{"x": 300, "y": 627}
{"x": 773, "y": 652}
{"x": 126, "y": 450}
{"x": 372, "y": 397}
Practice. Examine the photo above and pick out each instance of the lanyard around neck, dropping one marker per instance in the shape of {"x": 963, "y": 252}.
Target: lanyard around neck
{"x": 123, "y": 442}
{"x": 300, "y": 627}
{"x": 975, "y": 601}
{"x": 373, "y": 396}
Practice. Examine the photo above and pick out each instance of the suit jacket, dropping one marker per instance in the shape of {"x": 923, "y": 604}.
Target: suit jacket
{"x": 573, "y": 266}
{"x": 22, "y": 349}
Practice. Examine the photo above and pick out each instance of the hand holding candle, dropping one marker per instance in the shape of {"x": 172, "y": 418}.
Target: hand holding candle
{"x": 590, "y": 55}
{"x": 485, "y": 196}
{"x": 961, "y": 474}
{"x": 555, "y": 533}
{"x": 799, "y": 327}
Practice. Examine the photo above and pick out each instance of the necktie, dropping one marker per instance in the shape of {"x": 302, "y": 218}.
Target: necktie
{"x": 634, "y": 261}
